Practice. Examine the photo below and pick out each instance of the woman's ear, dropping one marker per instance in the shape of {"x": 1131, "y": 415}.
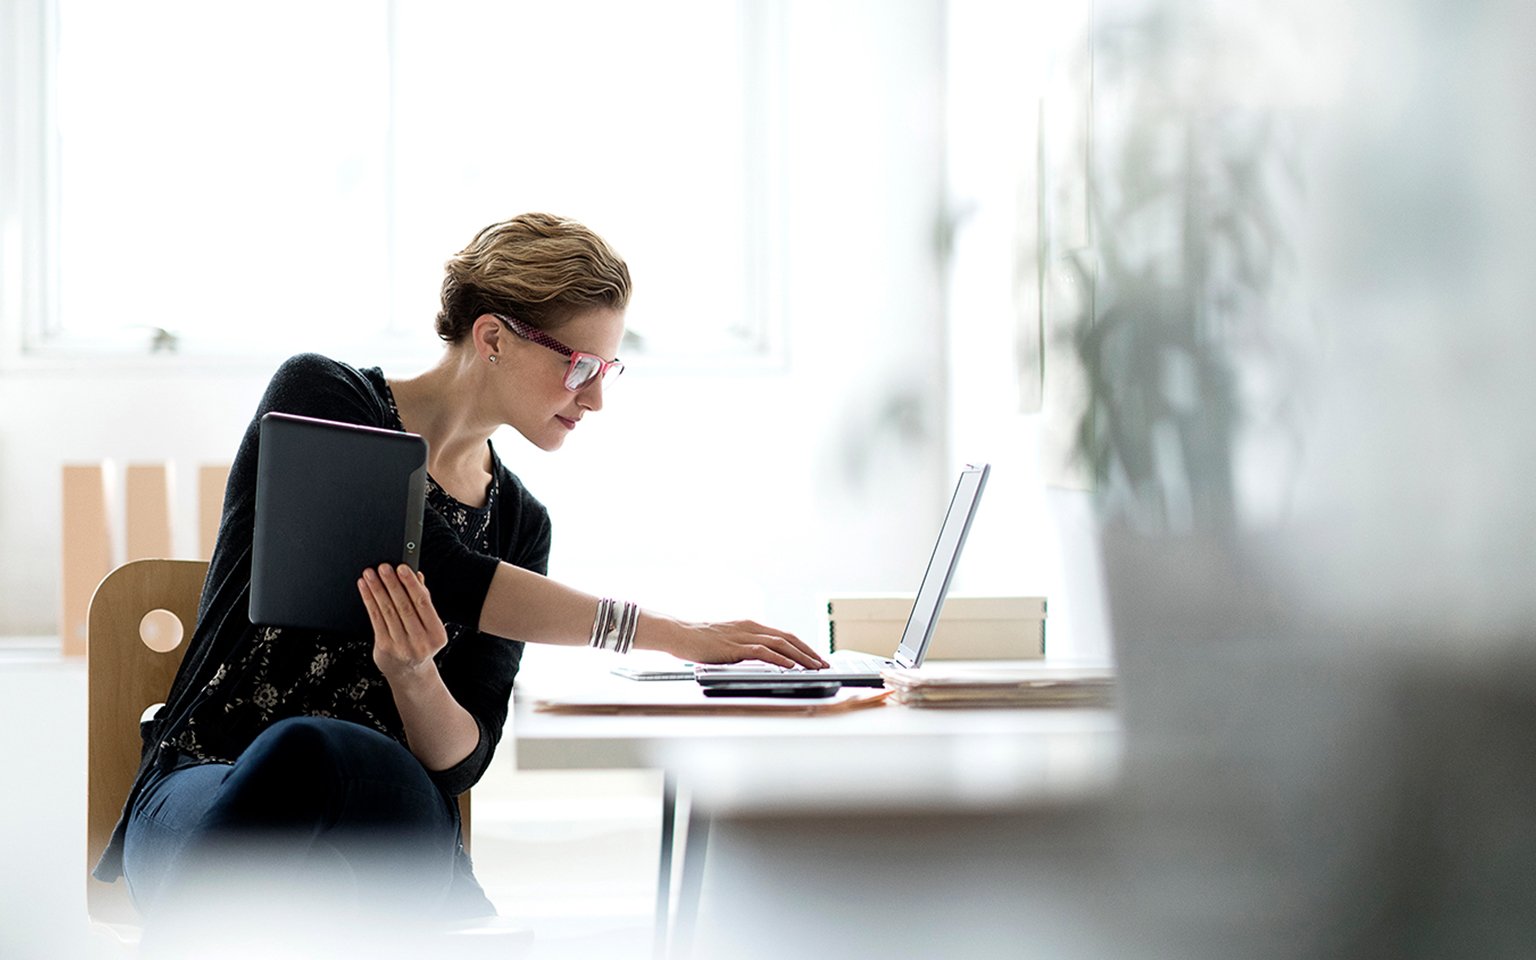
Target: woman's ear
{"x": 487, "y": 336}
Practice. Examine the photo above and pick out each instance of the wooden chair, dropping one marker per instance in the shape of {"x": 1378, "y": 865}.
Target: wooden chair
{"x": 140, "y": 616}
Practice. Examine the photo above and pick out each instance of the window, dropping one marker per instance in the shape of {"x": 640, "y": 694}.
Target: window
{"x": 228, "y": 178}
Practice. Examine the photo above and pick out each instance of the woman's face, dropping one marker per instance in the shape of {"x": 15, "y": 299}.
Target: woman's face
{"x": 538, "y": 403}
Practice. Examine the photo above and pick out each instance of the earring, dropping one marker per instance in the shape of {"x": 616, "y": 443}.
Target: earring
{"x": 491, "y": 358}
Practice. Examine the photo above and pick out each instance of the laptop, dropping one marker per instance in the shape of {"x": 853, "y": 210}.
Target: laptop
{"x": 332, "y": 499}
{"x": 861, "y": 669}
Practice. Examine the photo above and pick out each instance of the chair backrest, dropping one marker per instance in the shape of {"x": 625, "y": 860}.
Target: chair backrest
{"x": 140, "y": 618}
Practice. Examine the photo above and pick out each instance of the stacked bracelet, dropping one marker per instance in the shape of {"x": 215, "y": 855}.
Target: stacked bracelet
{"x": 600, "y": 624}
{"x": 629, "y": 621}
{"x": 614, "y": 629}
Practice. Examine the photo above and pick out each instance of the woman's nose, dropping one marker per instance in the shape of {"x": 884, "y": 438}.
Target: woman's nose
{"x": 590, "y": 397}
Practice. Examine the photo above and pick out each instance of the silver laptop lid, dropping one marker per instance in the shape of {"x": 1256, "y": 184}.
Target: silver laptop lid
{"x": 941, "y": 566}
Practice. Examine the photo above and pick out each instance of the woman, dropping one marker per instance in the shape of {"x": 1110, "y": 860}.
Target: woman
{"x": 319, "y": 770}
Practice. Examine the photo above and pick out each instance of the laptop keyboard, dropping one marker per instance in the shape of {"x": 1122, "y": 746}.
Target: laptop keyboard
{"x": 841, "y": 663}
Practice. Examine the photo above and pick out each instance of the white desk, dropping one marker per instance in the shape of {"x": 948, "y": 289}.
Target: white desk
{"x": 887, "y": 759}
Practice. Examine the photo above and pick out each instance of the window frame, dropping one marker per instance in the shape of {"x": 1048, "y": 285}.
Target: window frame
{"x": 32, "y": 331}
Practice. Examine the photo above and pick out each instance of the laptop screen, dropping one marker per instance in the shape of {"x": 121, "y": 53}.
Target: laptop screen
{"x": 941, "y": 566}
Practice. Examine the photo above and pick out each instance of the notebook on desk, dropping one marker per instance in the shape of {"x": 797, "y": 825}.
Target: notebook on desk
{"x": 863, "y": 670}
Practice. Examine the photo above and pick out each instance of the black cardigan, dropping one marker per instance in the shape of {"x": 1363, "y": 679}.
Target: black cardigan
{"x": 477, "y": 668}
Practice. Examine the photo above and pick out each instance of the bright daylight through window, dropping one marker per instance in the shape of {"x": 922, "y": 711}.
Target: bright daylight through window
{"x": 229, "y": 178}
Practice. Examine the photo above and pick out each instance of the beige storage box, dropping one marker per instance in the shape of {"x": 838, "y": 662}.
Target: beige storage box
{"x": 969, "y": 628}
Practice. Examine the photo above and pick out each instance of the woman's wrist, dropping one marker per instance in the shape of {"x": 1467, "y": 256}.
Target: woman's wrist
{"x": 655, "y": 632}
{"x": 413, "y": 678}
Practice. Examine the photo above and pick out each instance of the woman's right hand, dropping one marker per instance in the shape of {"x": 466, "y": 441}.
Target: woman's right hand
{"x": 728, "y": 642}
{"x": 528, "y": 606}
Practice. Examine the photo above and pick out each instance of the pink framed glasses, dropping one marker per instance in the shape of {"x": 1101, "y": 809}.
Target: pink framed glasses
{"x": 584, "y": 368}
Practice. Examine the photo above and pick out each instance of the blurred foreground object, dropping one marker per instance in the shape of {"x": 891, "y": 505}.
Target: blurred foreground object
{"x": 1310, "y": 359}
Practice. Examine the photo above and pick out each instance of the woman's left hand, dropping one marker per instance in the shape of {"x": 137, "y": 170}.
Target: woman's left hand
{"x": 407, "y": 632}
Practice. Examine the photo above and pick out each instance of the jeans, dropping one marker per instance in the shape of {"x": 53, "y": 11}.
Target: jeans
{"x": 318, "y": 818}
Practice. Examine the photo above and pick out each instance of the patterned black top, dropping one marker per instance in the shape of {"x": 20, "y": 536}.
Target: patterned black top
{"x": 334, "y": 676}
{"x": 236, "y": 678}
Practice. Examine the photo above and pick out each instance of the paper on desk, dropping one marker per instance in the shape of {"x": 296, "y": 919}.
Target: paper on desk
{"x": 678, "y": 698}
{"x": 1033, "y": 685}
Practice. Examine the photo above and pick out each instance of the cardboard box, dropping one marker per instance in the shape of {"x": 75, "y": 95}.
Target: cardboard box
{"x": 969, "y": 628}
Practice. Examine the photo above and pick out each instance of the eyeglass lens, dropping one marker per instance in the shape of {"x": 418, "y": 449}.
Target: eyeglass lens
{"x": 585, "y": 368}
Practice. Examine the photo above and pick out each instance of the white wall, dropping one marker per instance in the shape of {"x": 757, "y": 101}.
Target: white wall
{"x": 50, "y": 417}
{"x": 744, "y": 492}
{"x": 1032, "y": 538}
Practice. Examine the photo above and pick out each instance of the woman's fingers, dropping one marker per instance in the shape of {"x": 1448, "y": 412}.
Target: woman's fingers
{"x": 384, "y": 605}
{"x": 789, "y": 645}
{"x": 767, "y": 654}
{"x": 375, "y": 615}
{"x": 416, "y": 589}
{"x": 406, "y": 626}
{"x": 787, "y": 650}
{"x": 794, "y": 656}
{"x": 403, "y": 605}
{"x": 397, "y": 623}
{"x": 747, "y": 640}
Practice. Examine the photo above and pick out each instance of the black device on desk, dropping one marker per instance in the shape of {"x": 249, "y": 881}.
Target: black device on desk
{"x": 799, "y": 689}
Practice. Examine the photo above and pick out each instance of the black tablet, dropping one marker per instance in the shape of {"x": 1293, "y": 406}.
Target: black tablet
{"x": 332, "y": 499}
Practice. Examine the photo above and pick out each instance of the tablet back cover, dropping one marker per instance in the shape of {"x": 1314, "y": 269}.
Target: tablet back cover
{"x": 331, "y": 500}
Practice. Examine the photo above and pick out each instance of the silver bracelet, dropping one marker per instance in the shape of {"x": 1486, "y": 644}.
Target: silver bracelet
{"x": 601, "y": 624}
{"x": 629, "y": 621}
{"x": 614, "y": 629}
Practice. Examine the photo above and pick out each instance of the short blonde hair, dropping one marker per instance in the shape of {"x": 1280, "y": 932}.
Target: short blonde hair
{"x": 536, "y": 267}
